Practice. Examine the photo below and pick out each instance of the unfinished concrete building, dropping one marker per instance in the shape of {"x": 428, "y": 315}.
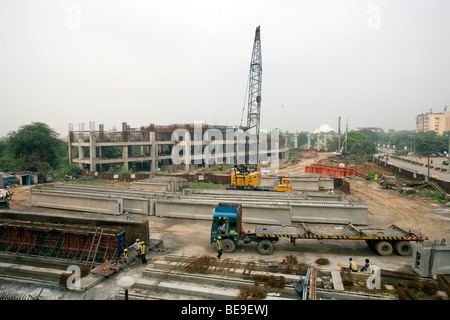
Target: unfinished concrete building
{"x": 149, "y": 148}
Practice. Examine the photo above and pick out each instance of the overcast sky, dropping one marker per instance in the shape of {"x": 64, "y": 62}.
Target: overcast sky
{"x": 380, "y": 63}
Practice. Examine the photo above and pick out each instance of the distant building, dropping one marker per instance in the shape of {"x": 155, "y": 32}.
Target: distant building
{"x": 437, "y": 122}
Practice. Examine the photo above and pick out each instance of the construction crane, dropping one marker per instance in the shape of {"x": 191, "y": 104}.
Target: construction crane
{"x": 254, "y": 93}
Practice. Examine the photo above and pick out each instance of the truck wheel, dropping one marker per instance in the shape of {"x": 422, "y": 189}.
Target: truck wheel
{"x": 265, "y": 247}
{"x": 384, "y": 248}
{"x": 228, "y": 245}
{"x": 403, "y": 248}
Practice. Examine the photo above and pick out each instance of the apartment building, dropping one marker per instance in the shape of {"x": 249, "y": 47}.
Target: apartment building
{"x": 437, "y": 122}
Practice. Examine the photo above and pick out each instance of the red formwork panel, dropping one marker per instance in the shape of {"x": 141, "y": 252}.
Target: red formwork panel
{"x": 60, "y": 240}
{"x": 336, "y": 171}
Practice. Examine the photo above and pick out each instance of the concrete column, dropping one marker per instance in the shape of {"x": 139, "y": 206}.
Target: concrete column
{"x": 296, "y": 140}
{"x": 80, "y": 153}
{"x": 92, "y": 151}
{"x": 309, "y": 140}
{"x": 153, "y": 153}
{"x": 125, "y": 155}
{"x": 70, "y": 146}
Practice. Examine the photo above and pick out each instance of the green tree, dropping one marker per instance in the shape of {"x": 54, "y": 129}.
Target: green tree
{"x": 33, "y": 147}
{"x": 357, "y": 144}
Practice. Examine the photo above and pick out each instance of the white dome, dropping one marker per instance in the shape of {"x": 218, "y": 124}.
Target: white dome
{"x": 324, "y": 128}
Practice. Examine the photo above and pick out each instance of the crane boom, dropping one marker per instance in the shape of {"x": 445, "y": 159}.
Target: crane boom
{"x": 254, "y": 89}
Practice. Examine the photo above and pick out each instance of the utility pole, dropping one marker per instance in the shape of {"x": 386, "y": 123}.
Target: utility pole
{"x": 339, "y": 134}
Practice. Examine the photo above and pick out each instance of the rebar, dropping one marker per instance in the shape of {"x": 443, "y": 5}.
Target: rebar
{"x": 251, "y": 293}
{"x": 199, "y": 264}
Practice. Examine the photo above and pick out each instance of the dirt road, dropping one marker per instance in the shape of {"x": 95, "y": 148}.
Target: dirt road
{"x": 416, "y": 212}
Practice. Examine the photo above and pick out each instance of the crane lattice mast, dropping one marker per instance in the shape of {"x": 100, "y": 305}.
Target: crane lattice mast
{"x": 254, "y": 89}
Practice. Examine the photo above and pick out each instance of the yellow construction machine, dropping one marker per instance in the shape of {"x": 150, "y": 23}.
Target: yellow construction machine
{"x": 246, "y": 179}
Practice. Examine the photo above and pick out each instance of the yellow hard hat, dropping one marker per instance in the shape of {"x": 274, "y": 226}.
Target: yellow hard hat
{"x": 219, "y": 237}
{"x": 137, "y": 240}
{"x": 125, "y": 250}
{"x": 142, "y": 242}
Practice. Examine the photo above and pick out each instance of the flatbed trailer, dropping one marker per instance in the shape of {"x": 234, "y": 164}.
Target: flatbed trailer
{"x": 383, "y": 241}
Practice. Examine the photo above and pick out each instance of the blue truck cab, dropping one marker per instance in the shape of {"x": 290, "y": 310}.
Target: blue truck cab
{"x": 227, "y": 223}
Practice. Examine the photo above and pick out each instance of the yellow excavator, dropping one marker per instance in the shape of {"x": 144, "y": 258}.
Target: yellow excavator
{"x": 246, "y": 179}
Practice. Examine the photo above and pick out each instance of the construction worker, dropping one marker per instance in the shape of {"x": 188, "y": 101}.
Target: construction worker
{"x": 367, "y": 267}
{"x": 219, "y": 247}
{"x": 142, "y": 252}
{"x": 124, "y": 256}
{"x": 352, "y": 265}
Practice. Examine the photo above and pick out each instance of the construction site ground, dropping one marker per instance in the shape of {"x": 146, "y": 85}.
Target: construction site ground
{"x": 191, "y": 238}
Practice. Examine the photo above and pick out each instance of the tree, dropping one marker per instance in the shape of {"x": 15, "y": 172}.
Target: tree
{"x": 357, "y": 144}
{"x": 33, "y": 147}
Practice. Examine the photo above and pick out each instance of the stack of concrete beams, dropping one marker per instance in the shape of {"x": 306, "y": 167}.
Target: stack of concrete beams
{"x": 302, "y": 183}
{"x": 259, "y": 207}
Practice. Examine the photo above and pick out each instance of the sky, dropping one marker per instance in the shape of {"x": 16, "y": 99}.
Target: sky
{"x": 377, "y": 63}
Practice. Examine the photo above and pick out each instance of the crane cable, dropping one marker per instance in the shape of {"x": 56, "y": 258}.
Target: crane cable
{"x": 245, "y": 99}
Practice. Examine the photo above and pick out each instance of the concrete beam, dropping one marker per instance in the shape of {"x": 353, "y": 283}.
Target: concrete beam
{"x": 88, "y": 203}
{"x": 203, "y": 211}
{"x": 330, "y": 213}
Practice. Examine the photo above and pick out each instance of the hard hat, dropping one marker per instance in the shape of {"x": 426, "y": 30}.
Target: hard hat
{"x": 219, "y": 237}
{"x": 125, "y": 250}
{"x": 142, "y": 242}
{"x": 137, "y": 240}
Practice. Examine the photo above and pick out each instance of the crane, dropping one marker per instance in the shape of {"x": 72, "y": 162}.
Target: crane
{"x": 254, "y": 92}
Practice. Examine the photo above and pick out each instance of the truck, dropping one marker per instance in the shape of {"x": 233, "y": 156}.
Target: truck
{"x": 245, "y": 179}
{"x": 227, "y": 223}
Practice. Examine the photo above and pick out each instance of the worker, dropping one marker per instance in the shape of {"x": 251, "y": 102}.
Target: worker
{"x": 219, "y": 247}
{"x": 367, "y": 267}
{"x": 221, "y": 228}
{"x": 124, "y": 256}
{"x": 137, "y": 246}
{"x": 352, "y": 265}
{"x": 142, "y": 252}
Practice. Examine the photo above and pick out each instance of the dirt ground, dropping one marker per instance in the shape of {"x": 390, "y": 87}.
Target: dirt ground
{"x": 385, "y": 207}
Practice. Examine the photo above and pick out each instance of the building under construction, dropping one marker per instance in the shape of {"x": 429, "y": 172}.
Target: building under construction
{"x": 147, "y": 148}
